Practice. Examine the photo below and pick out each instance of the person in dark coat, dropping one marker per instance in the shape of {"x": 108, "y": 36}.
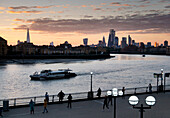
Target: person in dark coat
{"x": 110, "y": 99}
{"x": 150, "y": 88}
{"x": 47, "y": 97}
{"x": 31, "y": 107}
{"x": 99, "y": 92}
{"x": 123, "y": 90}
{"x": 1, "y": 112}
{"x": 61, "y": 96}
{"x": 69, "y": 101}
{"x": 105, "y": 103}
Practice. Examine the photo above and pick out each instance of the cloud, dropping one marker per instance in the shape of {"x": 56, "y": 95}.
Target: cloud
{"x": 87, "y": 16}
{"x": 83, "y": 5}
{"x": 167, "y": 6}
{"x": 19, "y": 12}
{"x": 149, "y": 23}
{"x": 2, "y": 8}
{"x": 60, "y": 12}
{"x": 119, "y": 4}
{"x": 21, "y": 20}
{"x": 97, "y": 9}
{"x": 30, "y": 7}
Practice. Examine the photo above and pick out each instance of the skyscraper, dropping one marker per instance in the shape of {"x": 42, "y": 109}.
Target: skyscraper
{"x": 116, "y": 41}
{"x": 28, "y": 36}
{"x": 111, "y": 40}
{"x": 129, "y": 40}
{"x": 124, "y": 42}
{"x": 166, "y": 43}
{"x": 104, "y": 42}
{"x": 85, "y": 41}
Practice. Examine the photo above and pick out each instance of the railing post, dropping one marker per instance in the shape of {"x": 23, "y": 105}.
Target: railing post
{"x": 146, "y": 89}
{"x": 34, "y": 100}
{"x": 53, "y": 98}
{"x": 14, "y": 102}
{"x": 135, "y": 91}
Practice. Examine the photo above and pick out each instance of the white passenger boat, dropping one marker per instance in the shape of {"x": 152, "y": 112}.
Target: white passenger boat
{"x": 49, "y": 74}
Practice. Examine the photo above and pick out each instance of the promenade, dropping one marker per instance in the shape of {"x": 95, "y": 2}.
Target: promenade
{"x": 93, "y": 109}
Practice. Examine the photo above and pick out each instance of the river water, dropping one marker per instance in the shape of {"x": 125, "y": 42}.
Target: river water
{"x": 123, "y": 70}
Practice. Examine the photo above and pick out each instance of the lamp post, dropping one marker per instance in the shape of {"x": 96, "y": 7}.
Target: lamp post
{"x": 162, "y": 73}
{"x": 91, "y": 81}
{"x": 115, "y": 93}
{"x": 90, "y": 93}
{"x": 150, "y": 101}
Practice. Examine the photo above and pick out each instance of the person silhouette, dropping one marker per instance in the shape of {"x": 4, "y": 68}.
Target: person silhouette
{"x": 61, "y": 96}
{"x": 47, "y": 97}
{"x": 31, "y": 107}
{"x": 69, "y": 101}
{"x": 45, "y": 106}
{"x": 99, "y": 92}
{"x": 105, "y": 103}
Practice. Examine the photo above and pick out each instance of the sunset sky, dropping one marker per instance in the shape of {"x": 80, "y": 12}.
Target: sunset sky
{"x": 73, "y": 20}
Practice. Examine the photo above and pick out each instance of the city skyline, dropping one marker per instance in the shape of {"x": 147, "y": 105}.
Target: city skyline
{"x": 58, "y": 21}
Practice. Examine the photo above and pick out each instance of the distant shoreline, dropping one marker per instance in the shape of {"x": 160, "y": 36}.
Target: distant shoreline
{"x": 31, "y": 59}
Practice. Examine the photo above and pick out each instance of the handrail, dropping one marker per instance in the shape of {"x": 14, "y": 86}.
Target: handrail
{"x": 76, "y": 96}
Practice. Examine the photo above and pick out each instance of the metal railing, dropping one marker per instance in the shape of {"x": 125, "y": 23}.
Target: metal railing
{"x": 76, "y": 96}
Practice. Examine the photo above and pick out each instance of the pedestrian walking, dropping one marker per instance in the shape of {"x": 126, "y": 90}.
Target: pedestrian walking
{"x": 69, "y": 101}
{"x": 1, "y": 112}
{"x": 123, "y": 90}
{"x": 31, "y": 107}
{"x": 47, "y": 97}
{"x": 105, "y": 103}
{"x": 110, "y": 99}
{"x": 45, "y": 106}
{"x": 61, "y": 96}
{"x": 99, "y": 92}
{"x": 150, "y": 88}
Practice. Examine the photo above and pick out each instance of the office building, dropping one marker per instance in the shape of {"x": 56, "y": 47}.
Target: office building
{"x": 111, "y": 40}
{"x": 28, "y": 36}
{"x": 85, "y": 41}
{"x": 116, "y": 41}
{"x": 124, "y": 42}
{"x": 129, "y": 40}
{"x": 166, "y": 43}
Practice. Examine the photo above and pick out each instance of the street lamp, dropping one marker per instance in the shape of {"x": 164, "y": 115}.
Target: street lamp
{"x": 162, "y": 73}
{"x": 91, "y": 81}
{"x": 90, "y": 93}
{"x": 115, "y": 93}
{"x": 150, "y": 101}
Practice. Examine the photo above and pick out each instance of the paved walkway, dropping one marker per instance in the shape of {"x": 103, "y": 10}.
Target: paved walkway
{"x": 93, "y": 109}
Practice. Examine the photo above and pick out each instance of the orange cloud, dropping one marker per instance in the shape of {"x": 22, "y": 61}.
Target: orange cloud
{"x": 19, "y": 12}
{"x": 2, "y": 8}
{"x": 60, "y": 12}
{"x": 1, "y": 12}
{"x": 83, "y": 5}
{"x": 21, "y": 20}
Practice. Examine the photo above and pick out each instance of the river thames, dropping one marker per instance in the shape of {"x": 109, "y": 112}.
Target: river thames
{"x": 123, "y": 70}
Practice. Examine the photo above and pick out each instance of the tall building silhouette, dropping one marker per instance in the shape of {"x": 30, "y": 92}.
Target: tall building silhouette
{"x": 116, "y": 41}
{"x": 104, "y": 42}
{"x": 124, "y": 42}
{"x": 166, "y": 43}
{"x": 28, "y": 36}
{"x": 111, "y": 40}
{"x": 129, "y": 40}
{"x": 85, "y": 41}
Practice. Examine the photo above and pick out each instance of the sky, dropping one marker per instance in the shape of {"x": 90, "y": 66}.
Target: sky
{"x": 72, "y": 20}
